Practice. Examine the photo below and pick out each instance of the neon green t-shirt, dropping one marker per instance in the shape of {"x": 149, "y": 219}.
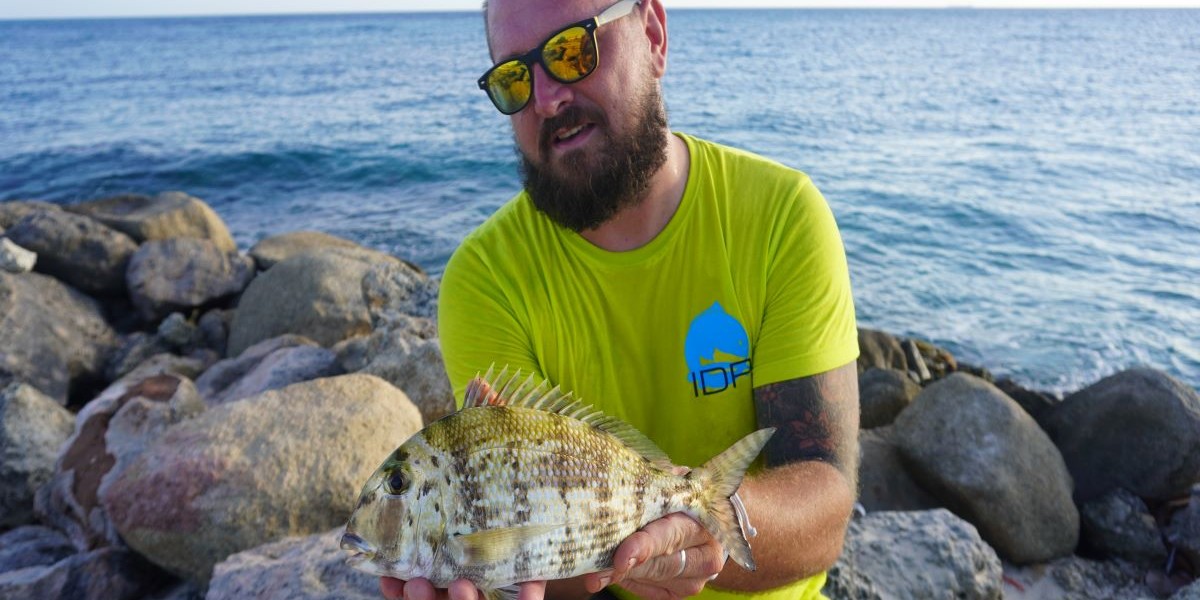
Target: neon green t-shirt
{"x": 747, "y": 285}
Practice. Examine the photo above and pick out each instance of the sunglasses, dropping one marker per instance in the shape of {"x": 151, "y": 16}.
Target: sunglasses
{"x": 567, "y": 56}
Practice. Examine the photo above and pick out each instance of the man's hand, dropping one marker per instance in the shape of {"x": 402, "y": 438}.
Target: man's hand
{"x": 460, "y": 589}
{"x": 649, "y": 563}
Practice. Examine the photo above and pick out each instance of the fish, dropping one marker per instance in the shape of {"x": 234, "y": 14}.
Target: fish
{"x": 528, "y": 483}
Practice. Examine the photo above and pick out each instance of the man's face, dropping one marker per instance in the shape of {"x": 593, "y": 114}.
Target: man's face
{"x": 588, "y": 148}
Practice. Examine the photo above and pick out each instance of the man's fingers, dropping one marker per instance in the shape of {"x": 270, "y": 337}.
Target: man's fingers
{"x": 393, "y": 589}
{"x": 533, "y": 590}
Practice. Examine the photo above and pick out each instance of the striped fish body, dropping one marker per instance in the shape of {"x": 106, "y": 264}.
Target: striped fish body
{"x": 525, "y": 484}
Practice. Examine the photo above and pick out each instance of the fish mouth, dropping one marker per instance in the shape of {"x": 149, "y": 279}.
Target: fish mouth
{"x": 360, "y": 550}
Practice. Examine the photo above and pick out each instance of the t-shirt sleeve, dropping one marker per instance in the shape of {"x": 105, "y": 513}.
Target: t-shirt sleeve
{"x": 808, "y": 322}
{"x": 477, "y": 323}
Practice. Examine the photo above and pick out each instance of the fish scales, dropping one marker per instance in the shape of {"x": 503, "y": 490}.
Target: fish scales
{"x": 525, "y": 483}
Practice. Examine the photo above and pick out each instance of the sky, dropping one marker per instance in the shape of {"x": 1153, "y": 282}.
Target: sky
{"x": 26, "y": 9}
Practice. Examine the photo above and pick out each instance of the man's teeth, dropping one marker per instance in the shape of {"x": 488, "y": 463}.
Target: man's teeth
{"x": 570, "y": 133}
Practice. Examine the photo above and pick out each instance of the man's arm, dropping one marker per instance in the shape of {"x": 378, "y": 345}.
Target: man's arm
{"x": 800, "y": 504}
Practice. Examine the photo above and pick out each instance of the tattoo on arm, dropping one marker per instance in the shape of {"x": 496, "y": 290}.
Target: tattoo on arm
{"x": 814, "y": 419}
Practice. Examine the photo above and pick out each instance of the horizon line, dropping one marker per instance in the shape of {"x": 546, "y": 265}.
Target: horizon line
{"x": 947, "y": 7}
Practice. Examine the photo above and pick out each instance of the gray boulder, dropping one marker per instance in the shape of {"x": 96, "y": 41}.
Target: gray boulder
{"x": 285, "y": 463}
{"x": 267, "y": 365}
{"x": 883, "y": 393}
{"x": 1138, "y": 430}
{"x": 414, "y": 365}
{"x": 76, "y": 250}
{"x": 1119, "y": 524}
{"x": 32, "y": 546}
{"x": 297, "y": 568}
{"x": 14, "y": 210}
{"x": 109, "y": 432}
{"x": 1037, "y": 404}
{"x": 165, "y": 216}
{"x": 1076, "y": 578}
{"x": 880, "y": 350}
{"x": 55, "y": 338}
{"x": 104, "y": 574}
{"x": 32, "y": 427}
{"x": 183, "y": 273}
{"x": 1190, "y": 592}
{"x": 214, "y": 329}
{"x": 884, "y": 483}
{"x": 317, "y": 294}
{"x": 978, "y": 452}
{"x": 275, "y": 249}
{"x": 15, "y": 259}
{"x": 902, "y": 555}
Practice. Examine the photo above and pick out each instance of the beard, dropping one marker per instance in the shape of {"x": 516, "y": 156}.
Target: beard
{"x": 579, "y": 193}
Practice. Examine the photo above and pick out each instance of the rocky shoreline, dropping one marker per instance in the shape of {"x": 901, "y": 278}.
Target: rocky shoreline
{"x": 180, "y": 420}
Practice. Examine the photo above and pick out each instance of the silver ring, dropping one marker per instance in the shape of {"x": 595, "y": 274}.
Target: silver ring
{"x": 682, "y": 562}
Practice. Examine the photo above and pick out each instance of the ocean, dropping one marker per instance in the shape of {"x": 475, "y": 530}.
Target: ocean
{"x": 1020, "y": 187}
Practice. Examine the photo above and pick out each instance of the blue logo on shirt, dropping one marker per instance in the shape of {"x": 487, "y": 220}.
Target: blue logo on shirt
{"x": 717, "y": 351}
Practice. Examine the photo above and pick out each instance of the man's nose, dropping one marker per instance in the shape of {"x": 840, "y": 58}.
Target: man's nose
{"x": 549, "y": 96}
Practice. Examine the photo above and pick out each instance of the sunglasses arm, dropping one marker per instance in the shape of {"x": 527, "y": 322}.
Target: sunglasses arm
{"x": 616, "y": 11}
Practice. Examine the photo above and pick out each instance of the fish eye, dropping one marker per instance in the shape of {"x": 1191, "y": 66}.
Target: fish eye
{"x": 396, "y": 483}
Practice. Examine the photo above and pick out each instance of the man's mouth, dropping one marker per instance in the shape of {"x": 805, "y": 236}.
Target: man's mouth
{"x": 569, "y": 138}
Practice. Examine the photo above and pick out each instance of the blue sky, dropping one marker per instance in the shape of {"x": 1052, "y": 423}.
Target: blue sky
{"x": 26, "y": 9}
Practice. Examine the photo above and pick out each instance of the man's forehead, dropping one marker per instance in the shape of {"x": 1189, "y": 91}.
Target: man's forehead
{"x": 515, "y": 26}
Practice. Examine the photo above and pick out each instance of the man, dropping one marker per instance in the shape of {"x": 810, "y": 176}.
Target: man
{"x": 692, "y": 290}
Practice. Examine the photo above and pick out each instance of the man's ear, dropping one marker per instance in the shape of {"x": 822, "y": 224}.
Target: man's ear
{"x": 656, "y": 34}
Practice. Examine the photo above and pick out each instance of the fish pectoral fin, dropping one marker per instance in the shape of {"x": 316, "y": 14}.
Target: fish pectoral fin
{"x": 491, "y": 545}
{"x": 504, "y": 593}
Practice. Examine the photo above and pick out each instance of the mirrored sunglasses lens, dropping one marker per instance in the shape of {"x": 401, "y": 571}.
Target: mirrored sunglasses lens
{"x": 509, "y": 86}
{"x": 570, "y": 55}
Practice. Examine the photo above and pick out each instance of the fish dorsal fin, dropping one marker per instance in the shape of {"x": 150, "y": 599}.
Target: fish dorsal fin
{"x": 505, "y": 390}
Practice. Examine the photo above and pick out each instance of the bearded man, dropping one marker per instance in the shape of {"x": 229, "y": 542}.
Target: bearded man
{"x": 695, "y": 291}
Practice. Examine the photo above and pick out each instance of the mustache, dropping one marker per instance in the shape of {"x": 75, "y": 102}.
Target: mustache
{"x": 570, "y": 117}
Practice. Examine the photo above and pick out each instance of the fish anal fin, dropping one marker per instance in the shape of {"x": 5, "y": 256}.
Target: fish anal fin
{"x": 493, "y": 545}
{"x": 504, "y": 593}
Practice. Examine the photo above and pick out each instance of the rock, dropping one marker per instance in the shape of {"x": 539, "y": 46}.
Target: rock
{"x": 884, "y": 483}
{"x": 1191, "y": 592}
{"x": 12, "y": 211}
{"x": 285, "y": 463}
{"x": 32, "y": 427}
{"x": 916, "y": 362}
{"x": 105, "y": 574}
{"x": 32, "y": 546}
{"x": 109, "y": 432}
{"x": 927, "y": 554}
{"x": 76, "y": 250}
{"x": 939, "y": 361}
{"x": 979, "y": 453}
{"x": 15, "y": 259}
{"x": 414, "y": 365}
{"x": 1119, "y": 524}
{"x": 1183, "y": 529}
{"x": 214, "y": 329}
{"x": 183, "y": 273}
{"x": 1075, "y": 578}
{"x": 268, "y": 365}
{"x": 1138, "y": 430}
{"x": 166, "y": 216}
{"x": 883, "y": 393}
{"x": 315, "y": 294}
{"x": 277, "y": 248}
{"x": 176, "y": 331}
{"x": 297, "y": 568}
{"x": 398, "y": 293}
{"x": 880, "y": 350}
{"x": 1037, "y": 404}
{"x": 55, "y": 338}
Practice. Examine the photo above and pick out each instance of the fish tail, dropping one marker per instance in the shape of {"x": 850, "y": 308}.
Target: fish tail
{"x": 724, "y": 475}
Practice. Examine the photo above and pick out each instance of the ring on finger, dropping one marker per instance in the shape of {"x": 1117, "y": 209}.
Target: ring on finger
{"x": 682, "y": 562}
